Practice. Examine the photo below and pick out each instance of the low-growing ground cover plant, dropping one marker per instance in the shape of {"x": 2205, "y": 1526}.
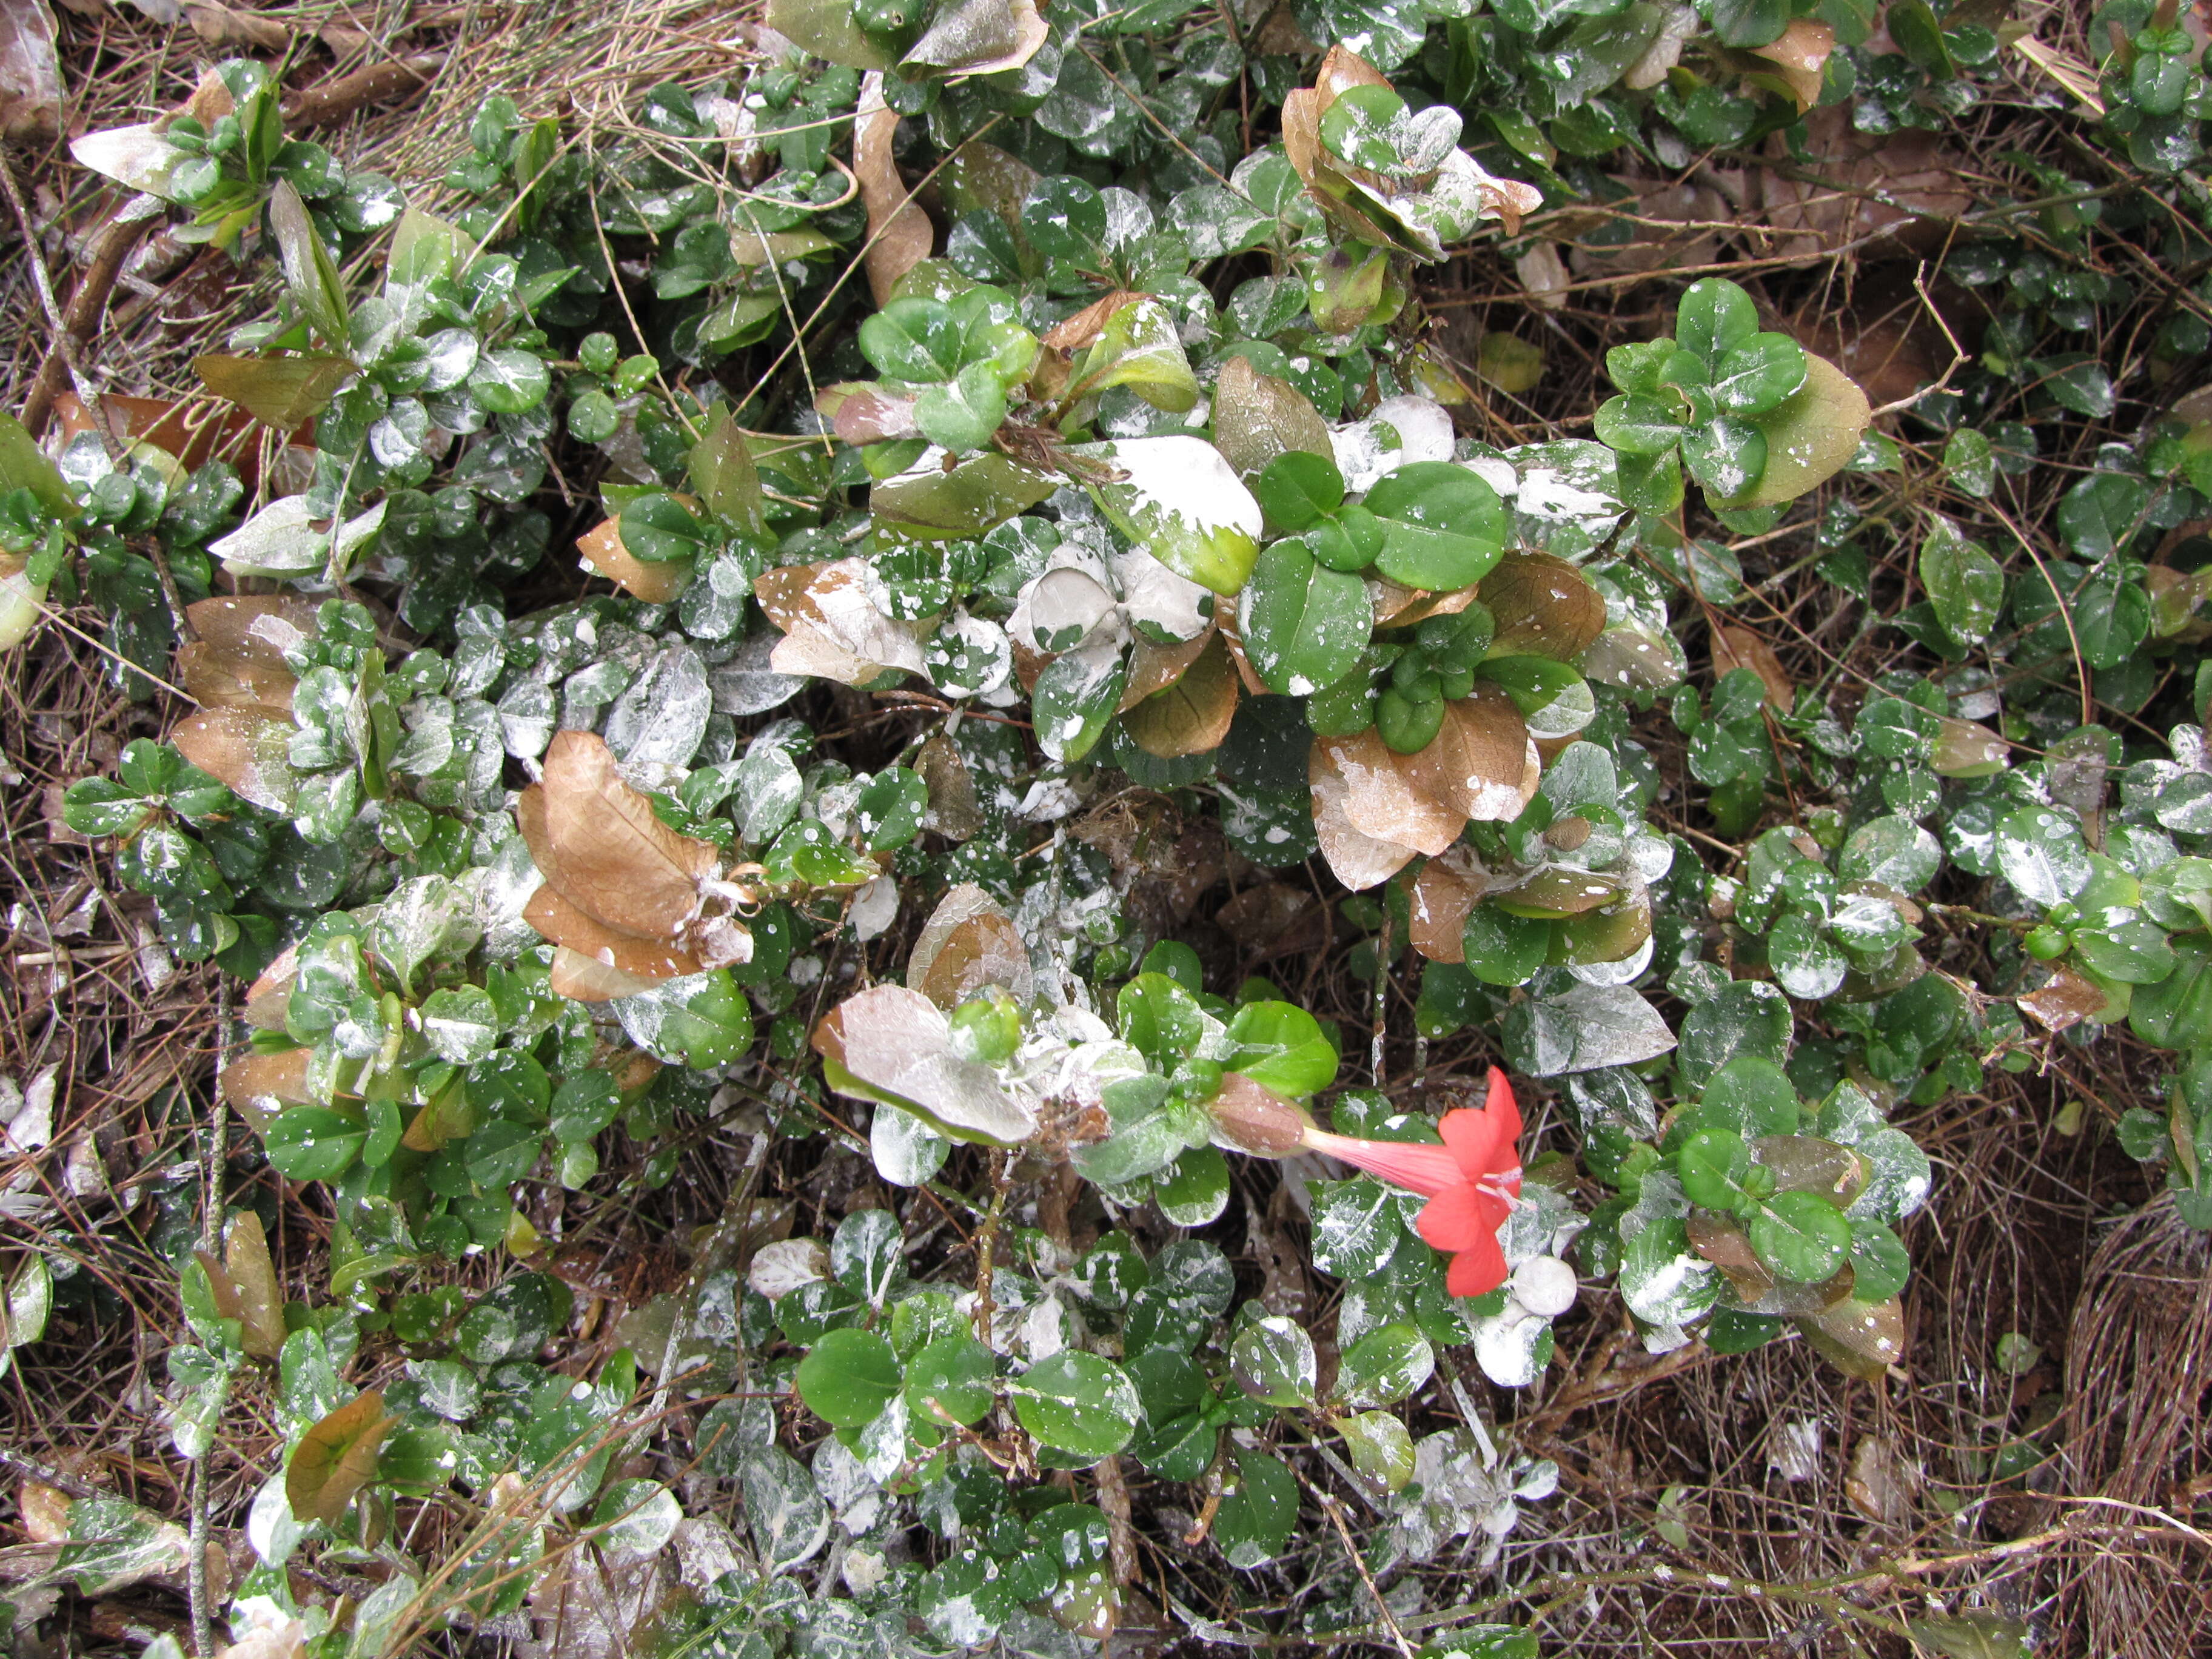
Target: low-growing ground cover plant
{"x": 874, "y": 617}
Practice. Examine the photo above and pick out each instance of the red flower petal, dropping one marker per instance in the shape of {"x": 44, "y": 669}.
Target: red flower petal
{"x": 1477, "y": 1271}
{"x": 1476, "y": 1142}
{"x": 1421, "y": 1169}
{"x": 1456, "y": 1220}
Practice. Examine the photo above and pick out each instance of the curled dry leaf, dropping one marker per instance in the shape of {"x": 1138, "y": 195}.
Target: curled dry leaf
{"x": 1257, "y": 418}
{"x": 1447, "y": 888}
{"x": 656, "y": 583}
{"x": 899, "y": 232}
{"x": 890, "y": 1043}
{"x": 831, "y": 629}
{"x": 623, "y": 893}
{"x": 1736, "y": 646}
{"x": 1543, "y": 607}
{"x": 1397, "y": 606}
{"x": 968, "y": 943}
{"x": 337, "y": 1458}
{"x": 237, "y": 660}
{"x": 1192, "y": 715}
{"x": 248, "y": 748}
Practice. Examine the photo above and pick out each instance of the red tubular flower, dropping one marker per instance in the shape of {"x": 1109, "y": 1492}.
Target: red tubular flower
{"x": 1471, "y": 1183}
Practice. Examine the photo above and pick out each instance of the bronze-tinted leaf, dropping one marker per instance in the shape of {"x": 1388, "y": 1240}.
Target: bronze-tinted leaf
{"x": 862, "y": 412}
{"x": 1721, "y": 1241}
{"x": 656, "y": 583}
{"x": 1559, "y": 891}
{"x": 337, "y": 1458}
{"x": 1153, "y": 668}
{"x": 248, "y": 749}
{"x": 260, "y": 1085}
{"x": 1736, "y": 646}
{"x": 1072, "y": 334}
{"x": 561, "y": 922}
{"x": 446, "y": 1116}
{"x": 899, "y": 232}
{"x": 1806, "y": 1164}
{"x": 285, "y": 393}
{"x": 1612, "y": 933}
{"x": 598, "y": 842}
{"x": 585, "y": 979}
{"x": 968, "y": 943}
{"x": 1801, "y": 55}
{"x": 1192, "y": 714}
{"x": 722, "y": 471}
{"x": 1445, "y": 890}
{"x": 1257, "y": 418}
{"x": 1858, "y": 1340}
{"x": 268, "y": 999}
{"x": 1543, "y": 607}
{"x": 1479, "y": 764}
{"x": 980, "y": 37}
{"x": 253, "y": 1276}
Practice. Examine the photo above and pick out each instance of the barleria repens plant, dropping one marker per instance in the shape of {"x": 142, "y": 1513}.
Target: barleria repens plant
{"x": 1026, "y": 479}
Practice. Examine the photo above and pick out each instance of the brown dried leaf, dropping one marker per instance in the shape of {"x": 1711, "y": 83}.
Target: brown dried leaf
{"x": 1881, "y": 1484}
{"x": 968, "y": 943}
{"x": 2066, "y": 999}
{"x": 337, "y": 1458}
{"x": 1445, "y": 890}
{"x": 585, "y": 979}
{"x": 30, "y": 70}
{"x": 1544, "y": 607}
{"x": 1480, "y": 765}
{"x": 953, "y": 811}
{"x": 561, "y": 922}
{"x": 1358, "y": 783}
{"x": 1072, "y": 334}
{"x": 597, "y": 841}
{"x": 1257, "y": 418}
{"x": 259, "y": 1086}
{"x": 1800, "y": 54}
{"x": 1902, "y": 188}
{"x": 656, "y": 583}
{"x": 1192, "y": 715}
{"x": 248, "y": 749}
{"x": 238, "y": 660}
{"x": 831, "y": 629}
{"x": 44, "y": 1512}
{"x": 899, "y": 232}
{"x": 1357, "y": 859}
{"x": 1737, "y": 647}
